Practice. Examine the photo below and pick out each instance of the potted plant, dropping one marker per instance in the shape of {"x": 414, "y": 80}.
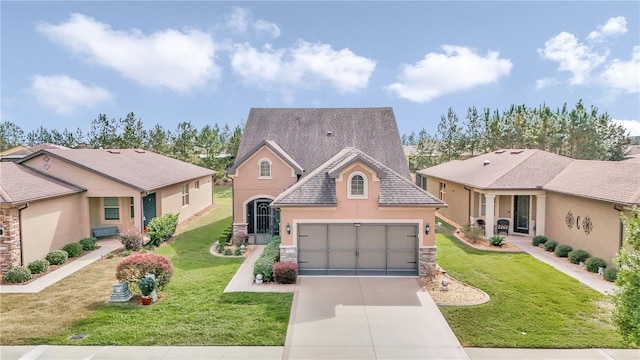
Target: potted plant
{"x": 146, "y": 286}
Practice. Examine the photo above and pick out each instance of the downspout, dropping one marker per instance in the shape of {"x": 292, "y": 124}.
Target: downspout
{"x": 619, "y": 208}
{"x": 20, "y": 233}
{"x": 469, "y": 203}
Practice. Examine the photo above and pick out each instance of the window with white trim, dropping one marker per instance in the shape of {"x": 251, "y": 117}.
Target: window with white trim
{"x": 483, "y": 205}
{"x": 357, "y": 185}
{"x": 185, "y": 194}
{"x": 443, "y": 191}
{"x": 131, "y": 208}
{"x": 265, "y": 168}
{"x": 111, "y": 208}
{"x": 196, "y": 185}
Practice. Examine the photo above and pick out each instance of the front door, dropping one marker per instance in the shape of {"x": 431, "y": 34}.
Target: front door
{"x": 263, "y": 221}
{"x": 521, "y": 213}
{"x": 149, "y": 208}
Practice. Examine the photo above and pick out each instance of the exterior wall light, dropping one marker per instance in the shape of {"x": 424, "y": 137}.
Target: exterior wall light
{"x": 427, "y": 229}
{"x": 288, "y": 227}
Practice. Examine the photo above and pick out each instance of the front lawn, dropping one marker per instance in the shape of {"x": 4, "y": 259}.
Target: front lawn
{"x": 192, "y": 311}
{"x": 532, "y": 304}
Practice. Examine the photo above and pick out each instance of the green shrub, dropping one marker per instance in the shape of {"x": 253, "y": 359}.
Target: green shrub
{"x": 161, "y": 228}
{"x": 89, "y": 243}
{"x": 578, "y": 256}
{"x": 270, "y": 255}
{"x": 562, "y": 250}
{"x": 17, "y": 274}
{"x": 539, "y": 239}
{"x": 285, "y": 272}
{"x": 38, "y": 266}
{"x": 227, "y": 252}
{"x": 593, "y": 263}
{"x": 550, "y": 245}
{"x": 73, "y": 249}
{"x": 496, "y": 240}
{"x": 237, "y": 252}
{"x": 131, "y": 239}
{"x": 473, "y": 233}
{"x": 146, "y": 285}
{"x": 220, "y": 248}
{"x": 57, "y": 257}
{"x": 132, "y": 268}
{"x": 611, "y": 273}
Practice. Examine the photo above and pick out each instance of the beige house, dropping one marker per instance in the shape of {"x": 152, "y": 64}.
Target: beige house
{"x": 533, "y": 192}
{"x": 335, "y": 185}
{"x": 83, "y": 190}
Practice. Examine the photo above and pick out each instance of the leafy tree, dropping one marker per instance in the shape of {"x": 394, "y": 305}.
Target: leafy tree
{"x": 450, "y": 136}
{"x": 474, "y": 131}
{"x": 426, "y": 151}
{"x": 133, "y": 133}
{"x": 184, "y": 142}
{"x": 158, "y": 140}
{"x": 210, "y": 145}
{"x": 39, "y": 136}
{"x": 410, "y": 139}
{"x": 104, "y": 133}
{"x": 627, "y": 298}
{"x": 11, "y": 135}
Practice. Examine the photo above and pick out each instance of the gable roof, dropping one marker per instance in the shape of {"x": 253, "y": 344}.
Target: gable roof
{"x": 318, "y": 187}
{"x": 275, "y": 148}
{"x": 20, "y": 184}
{"x": 311, "y": 136}
{"x": 615, "y": 181}
{"x": 140, "y": 169}
{"x": 506, "y": 169}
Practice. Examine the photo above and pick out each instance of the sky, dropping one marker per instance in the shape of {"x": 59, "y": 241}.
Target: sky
{"x": 64, "y": 63}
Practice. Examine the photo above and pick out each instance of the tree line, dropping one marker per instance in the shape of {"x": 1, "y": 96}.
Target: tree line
{"x": 212, "y": 146}
{"x": 579, "y": 133}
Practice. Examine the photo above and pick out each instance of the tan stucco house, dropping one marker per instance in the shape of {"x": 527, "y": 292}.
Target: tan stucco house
{"x": 533, "y": 192}
{"x": 335, "y": 185}
{"x": 56, "y": 196}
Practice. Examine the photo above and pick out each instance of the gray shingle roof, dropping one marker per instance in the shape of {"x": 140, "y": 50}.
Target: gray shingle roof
{"x": 507, "y": 169}
{"x": 20, "y": 184}
{"x": 318, "y": 187}
{"x": 311, "y": 136}
{"x": 140, "y": 169}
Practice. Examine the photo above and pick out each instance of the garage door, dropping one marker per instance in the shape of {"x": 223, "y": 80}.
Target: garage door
{"x": 358, "y": 249}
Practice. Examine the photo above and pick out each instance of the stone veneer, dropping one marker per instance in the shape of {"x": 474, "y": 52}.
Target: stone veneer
{"x": 239, "y": 228}
{"x": 289, "y": 254}
{"x": 10, "y": 244}
{"x": 427, "y": 261}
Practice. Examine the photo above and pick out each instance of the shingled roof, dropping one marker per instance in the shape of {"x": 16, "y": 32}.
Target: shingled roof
{"x": 311, "y": 136}
{"x": 20, "y": 184}
{"x": 318, "y": 187}
{"x": 140, "y": 169}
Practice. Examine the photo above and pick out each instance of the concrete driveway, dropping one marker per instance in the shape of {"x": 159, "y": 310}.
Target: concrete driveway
{"x": 367, "y": 318}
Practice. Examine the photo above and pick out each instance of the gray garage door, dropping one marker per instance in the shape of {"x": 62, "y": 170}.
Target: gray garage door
{"x": 357, "y": 249}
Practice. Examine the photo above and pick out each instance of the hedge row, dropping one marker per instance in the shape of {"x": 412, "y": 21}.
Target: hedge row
{"x": 270, "y": 256}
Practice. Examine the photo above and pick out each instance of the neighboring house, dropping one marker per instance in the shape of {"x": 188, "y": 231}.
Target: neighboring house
{"x": 335, "y": 185}
{"x": 54, "y": 197}
{"x": 533, "y": 192}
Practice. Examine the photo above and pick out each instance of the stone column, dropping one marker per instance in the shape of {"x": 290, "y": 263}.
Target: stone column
{"x": 289, "y": 254}
{"x": 427, "y": 261}
{"x": 240, "y": 228}
{"x": 10, "y": 241}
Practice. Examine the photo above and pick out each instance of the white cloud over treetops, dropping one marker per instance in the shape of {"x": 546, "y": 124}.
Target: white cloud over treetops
{"x": 64, "y": 94}
{"x": 458, "y": 68}
{"x": 177, "y": 60}
{"x": 305, "y": 64}
{"x": 587, "y": 61}
{"x": 632, "y": 126}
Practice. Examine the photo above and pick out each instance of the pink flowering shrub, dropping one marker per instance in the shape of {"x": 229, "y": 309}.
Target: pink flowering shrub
{"x": 132, "y": 268}
{"x": 285, "y": 272}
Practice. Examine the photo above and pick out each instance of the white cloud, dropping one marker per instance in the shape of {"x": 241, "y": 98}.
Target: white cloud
{"x": 241, "y": 20}
{"x": 302, "y": 65}
{"x": 64, "y": 94}
{"x": 238, "y": 19}
{"x": 572, "y": 56}
{"x": 458, "y": 68}
{"x": 624, "y": 75}
{"x": 546, "y": 82}
{"x": 632, "y": 126}
{"x": 177, "y": 60}
{"x": 614, "y": 26}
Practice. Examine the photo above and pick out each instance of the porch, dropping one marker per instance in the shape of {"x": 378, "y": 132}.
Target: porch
{"x": 508, "y": 212}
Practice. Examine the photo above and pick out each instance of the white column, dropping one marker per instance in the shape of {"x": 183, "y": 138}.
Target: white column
{"x": 541, "y": 205}
{"x": 490, "y": 218}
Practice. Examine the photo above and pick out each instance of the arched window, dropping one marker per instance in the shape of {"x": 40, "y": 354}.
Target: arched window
{"x": 265, "y": 168}
{"x": 357, "y": 185}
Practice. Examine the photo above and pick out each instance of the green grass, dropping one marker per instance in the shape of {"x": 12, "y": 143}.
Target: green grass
{"x": 193, "y": 310}
{"x": 532, "y": 304}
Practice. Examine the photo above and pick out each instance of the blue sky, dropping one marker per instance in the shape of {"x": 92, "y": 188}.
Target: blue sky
{"x": 63, "y": 63}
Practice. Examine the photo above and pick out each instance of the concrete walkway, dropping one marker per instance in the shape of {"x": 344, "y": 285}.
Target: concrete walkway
{"x": 594, "y": 281}
{"x": 243, "y": 279}
{"x": 36, "y": 286}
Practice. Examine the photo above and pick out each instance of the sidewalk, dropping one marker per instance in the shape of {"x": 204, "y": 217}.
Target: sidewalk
{"x": 593, "y": 281}
{"x": 36, "y": 286}
{"x": 242, "y": 281}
